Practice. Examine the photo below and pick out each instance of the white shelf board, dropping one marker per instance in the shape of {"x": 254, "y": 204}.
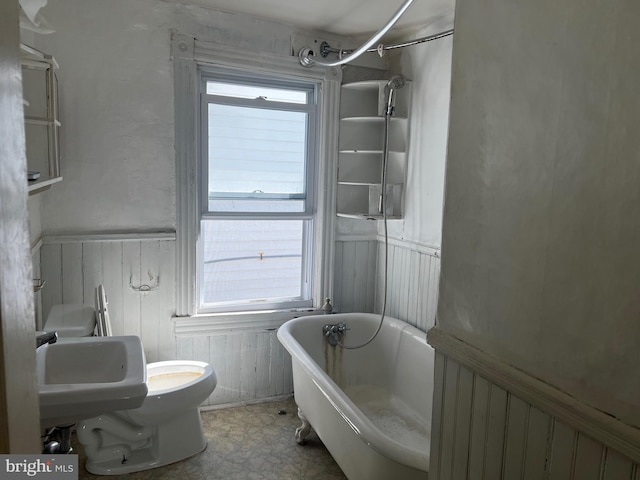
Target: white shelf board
{"x": 42, "y": 183}
{"x": 363, "y": 216}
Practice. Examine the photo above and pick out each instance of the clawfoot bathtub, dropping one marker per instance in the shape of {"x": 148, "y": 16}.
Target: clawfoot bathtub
{"x": 371, "y": 407}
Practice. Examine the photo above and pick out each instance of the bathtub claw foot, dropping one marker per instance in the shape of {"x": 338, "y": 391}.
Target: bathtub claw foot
{"x": 304, "y": 430}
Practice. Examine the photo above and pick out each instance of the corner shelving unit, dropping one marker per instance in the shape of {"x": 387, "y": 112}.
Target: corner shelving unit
{"x": 361, "y": 142}
{"x": 40, "y": 92}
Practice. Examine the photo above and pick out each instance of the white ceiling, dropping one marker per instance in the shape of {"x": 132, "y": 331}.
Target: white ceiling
{"x": 343, "y": 17}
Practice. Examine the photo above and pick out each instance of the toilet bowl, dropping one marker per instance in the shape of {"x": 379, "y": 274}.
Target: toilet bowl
{"x": 166, "y": 428}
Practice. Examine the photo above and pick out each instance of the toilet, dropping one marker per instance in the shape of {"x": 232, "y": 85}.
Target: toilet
{"x": 166, "y": 428}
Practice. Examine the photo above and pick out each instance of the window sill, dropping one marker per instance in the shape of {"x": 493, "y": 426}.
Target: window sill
{"x": 225, "y": 323}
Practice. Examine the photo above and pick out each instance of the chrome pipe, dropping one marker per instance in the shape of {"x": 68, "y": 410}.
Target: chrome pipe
{"x": 327, "y": 49}
{"x": 408, "y": 43}
{"x": 306, "y": 55}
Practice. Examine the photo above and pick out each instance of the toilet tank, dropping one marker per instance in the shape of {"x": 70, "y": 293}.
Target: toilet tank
{"x": 71, "y": 320}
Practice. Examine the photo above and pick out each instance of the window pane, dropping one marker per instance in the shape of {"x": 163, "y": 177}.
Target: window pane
{"x": 257, "y": 91}
{"x": 255, "y": 205}
{"x": 251, "y": 260}
{"x": 254, "y": 150}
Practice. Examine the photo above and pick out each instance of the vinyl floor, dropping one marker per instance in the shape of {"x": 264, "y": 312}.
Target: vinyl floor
{"x": 254, "y": 442}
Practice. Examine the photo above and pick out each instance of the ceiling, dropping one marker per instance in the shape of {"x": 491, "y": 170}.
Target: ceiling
{"x": 342, "y": 17}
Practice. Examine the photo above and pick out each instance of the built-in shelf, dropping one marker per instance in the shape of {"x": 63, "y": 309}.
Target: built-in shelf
{"x": 363, "y": 216}
{"x": 41, "y": 184}
{"x": 41, "y": 121}
{"x": 361, "y": 143}
{"x": 40, "y": 91}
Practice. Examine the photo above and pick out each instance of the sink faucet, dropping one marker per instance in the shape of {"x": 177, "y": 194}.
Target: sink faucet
{"x": 46, "y": 337}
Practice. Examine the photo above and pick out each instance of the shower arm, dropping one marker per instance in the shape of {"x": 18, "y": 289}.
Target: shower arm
{"x": 305, "y": 55}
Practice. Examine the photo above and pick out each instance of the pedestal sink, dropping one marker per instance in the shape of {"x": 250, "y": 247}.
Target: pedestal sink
{"x": 80, "y": 378}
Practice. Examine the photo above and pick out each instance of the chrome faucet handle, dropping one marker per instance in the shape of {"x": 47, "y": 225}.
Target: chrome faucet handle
{"x": 46, "y": 338}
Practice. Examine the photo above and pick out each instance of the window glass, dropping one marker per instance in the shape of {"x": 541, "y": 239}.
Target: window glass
{"x": 262, "y": 92}
{"x": 255, "y": 150}
{"x": 252, "y": 260}
{"x": 255, "y": 245}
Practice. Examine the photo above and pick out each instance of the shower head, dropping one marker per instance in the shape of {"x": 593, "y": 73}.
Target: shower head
{"x": 396, "y": 82}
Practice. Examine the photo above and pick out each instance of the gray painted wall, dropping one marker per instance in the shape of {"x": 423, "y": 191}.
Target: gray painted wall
{"x": 540, "y": 258}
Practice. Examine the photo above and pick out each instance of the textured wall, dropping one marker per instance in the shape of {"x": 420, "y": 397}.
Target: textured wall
{"x": 18, "y": 392}
{"x": 116, "y": 97}
{"x": 428, "y": 66}
{"x": 540, "y": 265}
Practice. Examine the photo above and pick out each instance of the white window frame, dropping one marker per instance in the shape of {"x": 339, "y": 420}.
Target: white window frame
{"x": 188, "y": 55}
{"x": 311, "y": 165}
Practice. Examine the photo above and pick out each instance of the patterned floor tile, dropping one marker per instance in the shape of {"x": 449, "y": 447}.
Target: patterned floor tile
{"x": 254, "y": 442}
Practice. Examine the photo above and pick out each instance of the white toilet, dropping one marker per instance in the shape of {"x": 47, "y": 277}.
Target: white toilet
{"x": 167, "y": 427}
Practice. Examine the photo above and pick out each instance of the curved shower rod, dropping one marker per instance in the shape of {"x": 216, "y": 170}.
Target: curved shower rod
{"x": 326, "y": 49}
{"x": 305, "y": 54}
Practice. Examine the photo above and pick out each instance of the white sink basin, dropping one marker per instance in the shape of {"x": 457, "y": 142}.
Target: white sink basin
{"x": 83, "y": 377}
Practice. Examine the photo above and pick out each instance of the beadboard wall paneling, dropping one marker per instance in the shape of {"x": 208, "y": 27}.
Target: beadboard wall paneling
{"x": 249, "y": 365}
{"x": 73, "y": 267}
{"x": 412, "y": 287}
{"x": 355, "y": 276}
{"x": 482, "y": 431}
{"x": 413, "y": 279}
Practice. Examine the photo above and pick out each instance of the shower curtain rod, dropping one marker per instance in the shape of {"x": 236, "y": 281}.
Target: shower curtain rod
{"x": 326, "y": 49}
{"x": 305, "y": 55}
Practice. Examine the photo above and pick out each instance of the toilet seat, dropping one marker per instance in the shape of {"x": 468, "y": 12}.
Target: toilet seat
{"x": 103, "y": 322}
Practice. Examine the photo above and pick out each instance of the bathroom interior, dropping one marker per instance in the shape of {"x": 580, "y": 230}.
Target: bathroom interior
{"x": 511, "y": 244}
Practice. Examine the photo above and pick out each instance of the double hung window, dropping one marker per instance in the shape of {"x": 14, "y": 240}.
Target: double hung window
{"x": 257, "y": 191}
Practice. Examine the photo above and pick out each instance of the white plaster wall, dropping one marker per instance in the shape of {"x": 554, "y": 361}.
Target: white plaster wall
{"x": 116, "y": 91}
{"x": 428, "y": 66}
{"x": 540, "y": 257}
{"x": 19, "y": 416}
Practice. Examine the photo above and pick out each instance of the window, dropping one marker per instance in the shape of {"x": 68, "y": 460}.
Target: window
{"x": 216, "y": 204}
{"x": 257, "y": 199}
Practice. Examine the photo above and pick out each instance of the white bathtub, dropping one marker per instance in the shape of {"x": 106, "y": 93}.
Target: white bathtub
{"x": 371, "y": 407}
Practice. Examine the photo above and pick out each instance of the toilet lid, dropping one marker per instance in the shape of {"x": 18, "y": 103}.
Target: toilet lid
{"x": 102, "y": 313}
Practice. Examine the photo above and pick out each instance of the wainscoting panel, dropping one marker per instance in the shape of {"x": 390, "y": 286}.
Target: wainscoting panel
{"x": 482, "y": 431}
{"x": 74, "y": 266}
{"x": 354, "y": 276}
{"x": 249, "y": 365}
{"x": 413, "y": 274}
{"x": 412, "y": 287}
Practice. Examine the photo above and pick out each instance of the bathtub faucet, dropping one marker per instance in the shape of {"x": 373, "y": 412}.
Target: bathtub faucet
{"x": 334, "y": 332}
